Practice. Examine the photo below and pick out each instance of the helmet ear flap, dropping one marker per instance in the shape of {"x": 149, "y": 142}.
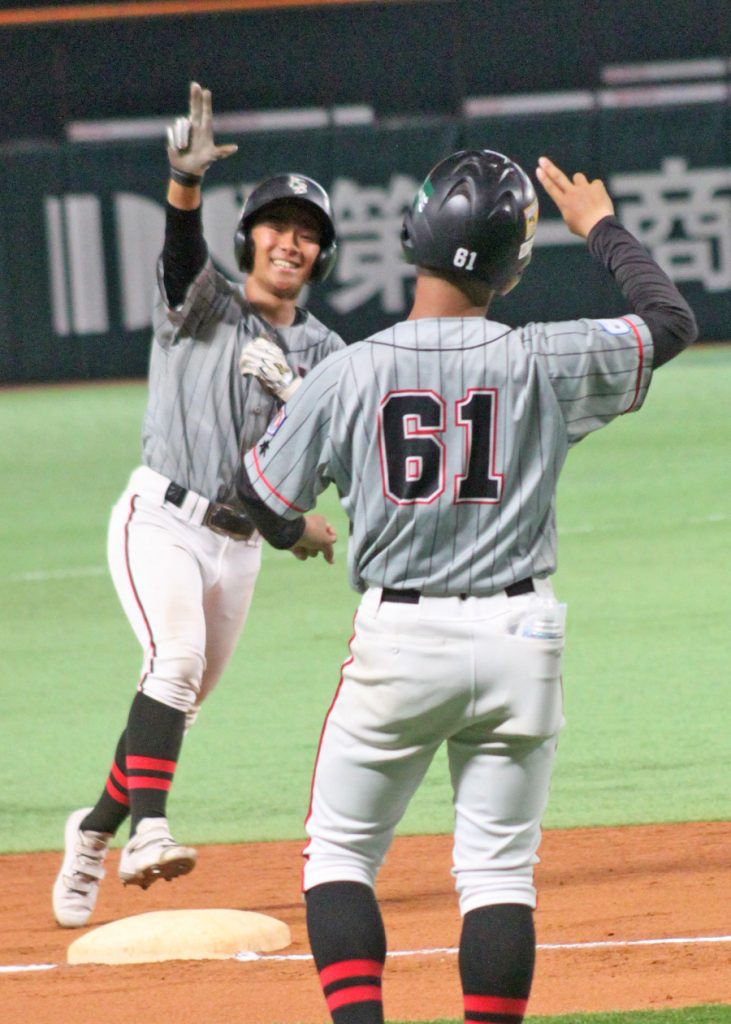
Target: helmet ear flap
{"x": 324, "y": 262}
{"x": 243, "y": 248}
{"x": 407, "y": 238}
{"x": 247, "y": 255}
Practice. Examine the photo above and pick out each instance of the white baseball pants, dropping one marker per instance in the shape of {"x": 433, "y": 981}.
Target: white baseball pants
{"x": 443, "y": 670}
{"x": 185, "y": 589}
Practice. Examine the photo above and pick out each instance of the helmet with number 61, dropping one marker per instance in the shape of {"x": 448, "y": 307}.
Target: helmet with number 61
{"x": 475, "y": 217}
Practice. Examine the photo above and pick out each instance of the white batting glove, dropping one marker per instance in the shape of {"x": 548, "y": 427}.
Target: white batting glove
{"x": 266, "y": 361}
{"x": 191, "y": 149}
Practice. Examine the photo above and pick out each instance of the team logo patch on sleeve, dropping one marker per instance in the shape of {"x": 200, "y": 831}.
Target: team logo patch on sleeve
{"x": 614, "y": 326}
{"x": 277, "y": 421}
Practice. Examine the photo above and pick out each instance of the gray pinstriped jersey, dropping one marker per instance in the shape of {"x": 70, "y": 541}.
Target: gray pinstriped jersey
{"x": 445, "y": 439}
{"x": 201, "y": 412}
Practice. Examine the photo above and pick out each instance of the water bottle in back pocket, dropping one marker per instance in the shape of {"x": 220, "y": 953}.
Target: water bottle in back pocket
{"x": 545, "y": 621}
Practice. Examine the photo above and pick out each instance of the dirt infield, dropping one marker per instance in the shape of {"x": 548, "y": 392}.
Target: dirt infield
{"x": 626, "y": 889}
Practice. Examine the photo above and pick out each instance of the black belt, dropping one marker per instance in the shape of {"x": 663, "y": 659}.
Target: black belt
{"x": 219, "y": 517}
{"x": 413, "y": 596}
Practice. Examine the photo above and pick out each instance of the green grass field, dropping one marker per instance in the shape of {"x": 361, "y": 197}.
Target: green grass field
{"x": 693, "y": 1015}
{"x": 644, "y": 532}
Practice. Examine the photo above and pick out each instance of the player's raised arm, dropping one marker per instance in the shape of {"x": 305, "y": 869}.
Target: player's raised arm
{"x": 191, "y": 151}
{"x": 588, "y": 212}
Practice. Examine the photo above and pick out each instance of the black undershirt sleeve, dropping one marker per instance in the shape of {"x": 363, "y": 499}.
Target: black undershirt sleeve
{"x": 646, "y": 287}
{"x": 184, "y": 252}
{"x": 279, "y": 532}
{"x": 183, "y": 256}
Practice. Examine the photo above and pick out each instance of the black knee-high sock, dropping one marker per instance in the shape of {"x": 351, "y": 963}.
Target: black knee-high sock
{"x": 348, "y": 943}
{"x": 496, "y": 961}
{"x": 154, "y": 737}
{"x": 112, "y": 807}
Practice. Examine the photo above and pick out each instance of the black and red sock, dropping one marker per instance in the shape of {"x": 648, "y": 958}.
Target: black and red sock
{"x": 154, "y": 738}
{"x": 496, "y": 963}
{"x": 112, "y": 807}
{"x": 348, "y": 943}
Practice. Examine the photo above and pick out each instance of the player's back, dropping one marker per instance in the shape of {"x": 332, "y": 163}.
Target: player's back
{"x": 455, "y": 441}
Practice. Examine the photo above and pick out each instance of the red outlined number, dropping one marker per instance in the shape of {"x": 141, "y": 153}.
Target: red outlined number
{"x": 477, "y": 413}
{"x": 413, "y": 455}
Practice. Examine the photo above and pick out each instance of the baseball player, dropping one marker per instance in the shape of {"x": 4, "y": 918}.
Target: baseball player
{"x": 183, "y": 556}
{"x": 445, "y": 436}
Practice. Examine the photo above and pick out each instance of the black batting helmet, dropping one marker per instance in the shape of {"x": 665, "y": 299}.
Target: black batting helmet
{"x": 297, "y": 188}
{"x": 475, "y": 215}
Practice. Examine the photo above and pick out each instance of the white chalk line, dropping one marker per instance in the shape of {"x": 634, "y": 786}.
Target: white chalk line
{"x": 47, "y": 575}
{"x": 246, "y": 957}
{"x": 452, "y": 950}
{"x": 10, "y": 968}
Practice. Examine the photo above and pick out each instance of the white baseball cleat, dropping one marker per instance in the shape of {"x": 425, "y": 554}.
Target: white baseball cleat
{"x": 152, "y": 853}
{"x": 77, "y": 883}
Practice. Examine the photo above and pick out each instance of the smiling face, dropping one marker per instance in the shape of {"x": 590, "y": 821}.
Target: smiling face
{"x": 286, "y": 240}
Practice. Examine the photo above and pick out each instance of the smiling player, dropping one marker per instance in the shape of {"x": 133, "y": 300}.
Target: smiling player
{"x": 183, "y": 556}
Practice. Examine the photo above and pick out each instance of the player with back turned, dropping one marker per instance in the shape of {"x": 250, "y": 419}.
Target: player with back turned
{"x": 183, "y": 556}
{"x": 445, "y": 436}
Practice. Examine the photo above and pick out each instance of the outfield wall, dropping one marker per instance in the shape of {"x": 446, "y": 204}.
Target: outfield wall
{"x": 81, "y": 223}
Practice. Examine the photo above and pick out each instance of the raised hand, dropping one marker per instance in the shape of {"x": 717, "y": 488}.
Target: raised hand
{"x": 581, "y": 203}
{"x": 191, "y": 148}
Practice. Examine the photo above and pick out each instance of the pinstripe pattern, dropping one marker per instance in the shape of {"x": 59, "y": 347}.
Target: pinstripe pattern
{"x": 201, "y": 412}
{"x": 548, "y": 386}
